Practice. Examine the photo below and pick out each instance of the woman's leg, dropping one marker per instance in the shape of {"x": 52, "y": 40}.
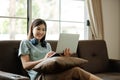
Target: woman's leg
{"x": 84, "y": 73}
{"x": 75, "y": 73}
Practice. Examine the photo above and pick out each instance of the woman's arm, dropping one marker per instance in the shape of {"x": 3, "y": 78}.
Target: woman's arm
{"x": 27, "y": 64}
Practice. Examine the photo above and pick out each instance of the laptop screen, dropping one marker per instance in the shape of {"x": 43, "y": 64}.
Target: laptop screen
{"x": 67, "y": 41}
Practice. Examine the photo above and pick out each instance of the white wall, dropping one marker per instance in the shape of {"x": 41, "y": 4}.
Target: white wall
{"x": 111, "y": 18}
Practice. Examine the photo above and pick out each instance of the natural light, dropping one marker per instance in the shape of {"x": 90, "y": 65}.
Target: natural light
{"x": 61, "y": 16}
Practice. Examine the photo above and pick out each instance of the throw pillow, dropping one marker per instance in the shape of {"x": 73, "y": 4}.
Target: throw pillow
{"x": 58, "y": 64}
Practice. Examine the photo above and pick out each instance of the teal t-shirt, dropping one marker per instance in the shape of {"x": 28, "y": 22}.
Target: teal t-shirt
{"x": 35, "y": 52}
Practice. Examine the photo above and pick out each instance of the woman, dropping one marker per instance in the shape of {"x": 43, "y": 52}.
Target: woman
{"x": 35, "y": 49}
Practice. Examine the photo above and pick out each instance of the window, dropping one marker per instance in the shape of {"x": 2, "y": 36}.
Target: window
{"x": 62, "y": 16}
{"x": 13, "y": 19}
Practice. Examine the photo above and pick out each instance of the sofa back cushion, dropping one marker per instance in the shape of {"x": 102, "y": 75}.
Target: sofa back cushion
{"x": 53, "y": 44}
{"x": 95, "y": 52}
{"x": 9, "y": 60}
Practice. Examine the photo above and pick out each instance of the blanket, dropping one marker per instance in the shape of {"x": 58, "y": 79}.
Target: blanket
{"x": 75, "y": 73}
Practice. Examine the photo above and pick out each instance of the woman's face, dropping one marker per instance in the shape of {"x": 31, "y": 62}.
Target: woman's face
{"x": 39, "y": 31}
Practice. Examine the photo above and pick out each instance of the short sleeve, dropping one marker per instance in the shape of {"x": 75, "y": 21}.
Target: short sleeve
{"x": 23, "y": 48}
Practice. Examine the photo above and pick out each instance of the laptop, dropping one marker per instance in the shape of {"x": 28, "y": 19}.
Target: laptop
{"x": 67, "y": 41}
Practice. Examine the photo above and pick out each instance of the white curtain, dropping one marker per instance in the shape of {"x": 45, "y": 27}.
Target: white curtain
{"x": 95, "y": 18}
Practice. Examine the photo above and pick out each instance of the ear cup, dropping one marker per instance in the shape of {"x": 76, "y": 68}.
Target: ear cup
{"x": 34, "y": 41}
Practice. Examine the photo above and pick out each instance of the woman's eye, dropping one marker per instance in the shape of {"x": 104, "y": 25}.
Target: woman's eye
{"x": 38, "y": 29}
{"x": 43, "y": 30}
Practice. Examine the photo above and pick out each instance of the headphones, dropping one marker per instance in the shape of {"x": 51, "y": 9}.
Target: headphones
{"x": 34, "y": 41}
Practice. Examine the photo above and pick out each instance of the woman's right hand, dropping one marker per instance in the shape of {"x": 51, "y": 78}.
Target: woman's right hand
{"x": 49, "y": 54}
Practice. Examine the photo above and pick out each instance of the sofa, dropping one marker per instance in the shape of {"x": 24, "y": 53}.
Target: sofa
{"x": 95, "y": 51}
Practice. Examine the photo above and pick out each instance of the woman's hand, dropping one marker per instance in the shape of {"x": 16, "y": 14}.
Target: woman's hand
{"x": 67, "y": 52}
{"x": 49, "y": 54}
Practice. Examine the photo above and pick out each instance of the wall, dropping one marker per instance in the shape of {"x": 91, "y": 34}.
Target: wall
{"x": 111, "y": 18}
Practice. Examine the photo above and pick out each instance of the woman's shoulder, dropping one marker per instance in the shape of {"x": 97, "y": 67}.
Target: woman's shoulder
{"x": 25, "y": 41}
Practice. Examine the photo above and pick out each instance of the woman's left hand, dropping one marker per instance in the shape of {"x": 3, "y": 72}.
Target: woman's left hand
{"x": 67, "y": 52}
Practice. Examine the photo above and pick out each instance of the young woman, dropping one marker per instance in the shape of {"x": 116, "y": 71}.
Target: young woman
{"x": 35, "y": 49}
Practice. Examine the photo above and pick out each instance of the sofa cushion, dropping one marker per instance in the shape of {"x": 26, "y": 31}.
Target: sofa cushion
{"x": 95, "y": 52}
{"x": 58, "y": 64}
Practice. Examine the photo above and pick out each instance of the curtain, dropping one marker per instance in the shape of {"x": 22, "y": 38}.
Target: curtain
{"x": 95, "y": 18}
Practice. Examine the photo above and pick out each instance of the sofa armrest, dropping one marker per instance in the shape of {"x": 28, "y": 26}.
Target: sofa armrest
{"x": 114, "y": 65}
{"x": 11, "y": 76}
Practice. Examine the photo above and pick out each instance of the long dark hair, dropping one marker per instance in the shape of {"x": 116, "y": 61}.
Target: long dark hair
{"x": 36, "y": 23}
